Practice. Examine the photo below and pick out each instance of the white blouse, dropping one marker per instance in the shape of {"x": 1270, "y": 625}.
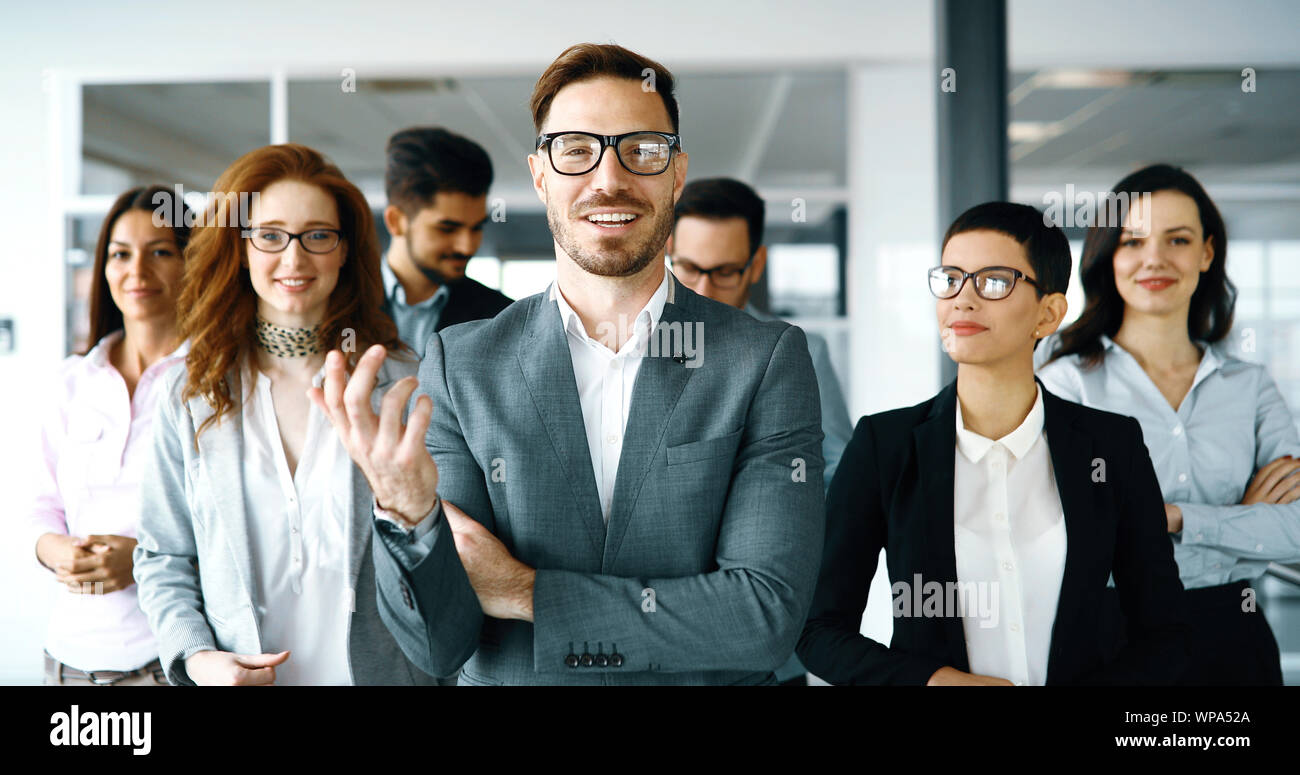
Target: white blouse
{"x": 300, "y": 530}
{"x": 1010, "y": 547}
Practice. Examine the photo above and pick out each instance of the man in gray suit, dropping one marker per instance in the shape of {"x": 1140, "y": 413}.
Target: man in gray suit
{"x": 717, "y": 250}
{"x": 598, "y": 498}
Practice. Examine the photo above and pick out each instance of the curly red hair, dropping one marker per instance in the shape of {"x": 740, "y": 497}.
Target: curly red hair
{"x": 218, "y": 306}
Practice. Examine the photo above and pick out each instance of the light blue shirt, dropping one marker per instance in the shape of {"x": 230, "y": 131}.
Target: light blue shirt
{"x": 1231, "y": 423}
{"x": 415, "y": 322}
{"x": 837, "y": 429}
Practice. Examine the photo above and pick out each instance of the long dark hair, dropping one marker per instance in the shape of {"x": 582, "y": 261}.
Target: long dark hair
{"x": 105, "y": 317}
{"x": 1209, "y": 318}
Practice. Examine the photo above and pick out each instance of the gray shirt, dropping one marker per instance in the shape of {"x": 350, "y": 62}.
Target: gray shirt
{"x": 415, "y": 322}
{"x": 1232, "y": 422}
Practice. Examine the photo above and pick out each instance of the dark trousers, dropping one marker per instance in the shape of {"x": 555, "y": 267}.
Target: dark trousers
{"x": 1228, "y": 646}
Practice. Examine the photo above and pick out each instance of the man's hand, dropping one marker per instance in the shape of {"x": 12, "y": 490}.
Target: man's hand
{"x": 1173, "y": 518}
{"x": 1277, "y": 483}
{"x": 951, "y": 676}
{"x": 399, "y": 468}
{"x": 504, "y": 585}
{"x": 222, "y": 668}
{"x": 103, "y": 565}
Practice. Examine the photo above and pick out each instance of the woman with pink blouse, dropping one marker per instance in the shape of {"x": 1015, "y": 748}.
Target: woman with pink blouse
{"x": 95, "y": 434}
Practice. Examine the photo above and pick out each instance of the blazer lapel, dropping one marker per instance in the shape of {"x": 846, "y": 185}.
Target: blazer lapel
{"x": 936, "y": 443}
{"x": 221, "y": 454}
{"x": 547, "y": 367}
{"x": 1072, "y": 455}
{"x": 660, "y": 381}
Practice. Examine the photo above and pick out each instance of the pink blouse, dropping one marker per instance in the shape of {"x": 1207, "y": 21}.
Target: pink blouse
{"x": 94, "y": 441}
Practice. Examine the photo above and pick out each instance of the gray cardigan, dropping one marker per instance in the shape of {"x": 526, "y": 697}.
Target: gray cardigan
{"x": 192, "y": 562}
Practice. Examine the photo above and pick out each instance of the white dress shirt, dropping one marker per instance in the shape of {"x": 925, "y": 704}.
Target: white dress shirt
{"x": 1010, "y": 542}
{"x": 85, "y": 480}
{"x": 299, "y": 530}
{"x": 605, "y": 380}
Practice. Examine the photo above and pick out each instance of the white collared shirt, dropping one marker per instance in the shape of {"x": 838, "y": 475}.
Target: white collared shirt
{"x": 299, "y": 531}
{"x": 1010, "y": 541}
{"x": 605, "y": 381}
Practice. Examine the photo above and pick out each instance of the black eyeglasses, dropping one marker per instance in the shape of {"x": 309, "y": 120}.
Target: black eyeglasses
{"x": 271, "y": 240}
{"x": 724, "y": 277}
{"x": 640, "y": 153}
{"x": 991, "y": 282}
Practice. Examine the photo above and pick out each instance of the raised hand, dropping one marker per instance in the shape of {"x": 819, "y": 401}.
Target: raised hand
{"x": 399, "y": 468}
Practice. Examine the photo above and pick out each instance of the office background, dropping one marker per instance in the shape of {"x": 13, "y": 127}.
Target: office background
{"x": 828, "y": 107}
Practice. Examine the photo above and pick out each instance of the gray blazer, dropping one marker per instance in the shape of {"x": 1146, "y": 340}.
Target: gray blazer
{"x": 192, "y": 561}
{"x": 706, "y": 570}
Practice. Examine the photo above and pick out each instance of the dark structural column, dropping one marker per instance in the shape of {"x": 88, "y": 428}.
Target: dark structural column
{"x": 972, "y": 117}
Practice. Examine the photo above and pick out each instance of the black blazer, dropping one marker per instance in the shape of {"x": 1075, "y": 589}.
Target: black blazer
{"x": 466, "y": 300}
{"x": 471, "y": 300}
{"x": 894, "y": 489}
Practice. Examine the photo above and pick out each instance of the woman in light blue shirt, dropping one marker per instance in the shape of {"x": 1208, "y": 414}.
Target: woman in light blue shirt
{"x": 1149, "y": 344}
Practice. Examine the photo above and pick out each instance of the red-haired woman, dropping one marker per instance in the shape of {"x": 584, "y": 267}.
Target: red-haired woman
{"x": 95, "y": 438}
{"x": 254, "y": 561}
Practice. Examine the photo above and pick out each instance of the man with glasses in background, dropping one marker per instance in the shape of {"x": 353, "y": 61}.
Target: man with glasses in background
{"x": 436, "y": 182}
{"x": 588, "y": 505}
{"x": 717, "y": 250}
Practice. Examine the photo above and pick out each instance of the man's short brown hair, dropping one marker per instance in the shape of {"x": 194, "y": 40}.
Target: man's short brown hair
{"x": 585, "y": 61}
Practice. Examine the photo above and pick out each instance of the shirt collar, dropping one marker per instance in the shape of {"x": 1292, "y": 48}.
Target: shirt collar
{"x": 649, "y": 314}
{"x": 393, "y": 288}
{"x": 974, "y": 446}
{"x": 98, "y": 355}
{"x": 1211, "y": 360}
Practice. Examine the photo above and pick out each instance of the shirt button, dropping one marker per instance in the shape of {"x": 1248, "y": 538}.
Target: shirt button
{"x": 293, "y": 530}
{"x": 1182, "y": 477}
{"x": 612, "y": 438}
{"x": 1006, "y": 566}
{"x": 1015, "y": 628}
{"x": 1178, "y": 430}
{"x": 999, "y": 517}
{"x": 1259, "y": 547}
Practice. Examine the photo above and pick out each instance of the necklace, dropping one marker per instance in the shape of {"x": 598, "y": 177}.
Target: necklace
{"x": 288, "y": 342}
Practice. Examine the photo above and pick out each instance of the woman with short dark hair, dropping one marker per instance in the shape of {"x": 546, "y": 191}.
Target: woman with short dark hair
{"x": 1002, "y": 509}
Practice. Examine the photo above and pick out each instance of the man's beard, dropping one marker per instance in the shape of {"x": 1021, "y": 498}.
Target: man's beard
{"x": 433, "y": 275}
{"x": 628, "y": 257}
